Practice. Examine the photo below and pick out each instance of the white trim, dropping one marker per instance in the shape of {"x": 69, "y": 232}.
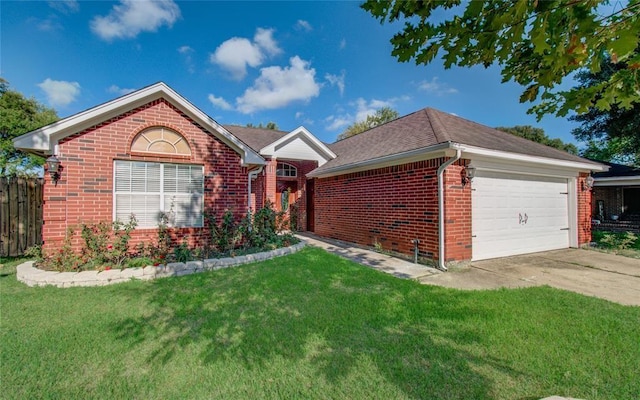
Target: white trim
{"x": 523, "y": 168}
{"x": 425, "y": 153}
{"x": 44, "y": 139}
{"x": 617, "y": 181}
{"x": 572, "y": 188}
{"x": 324, "y": 153}
{"x": 522, "y": 158}
{"x": 525, "y": 164}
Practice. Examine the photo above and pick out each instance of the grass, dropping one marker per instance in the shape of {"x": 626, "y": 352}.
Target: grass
{"x": 619, "y": 243}
{"x": 311, "y": 325}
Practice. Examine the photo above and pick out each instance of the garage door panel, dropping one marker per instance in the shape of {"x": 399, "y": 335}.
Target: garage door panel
{"x": 516, "y": 214}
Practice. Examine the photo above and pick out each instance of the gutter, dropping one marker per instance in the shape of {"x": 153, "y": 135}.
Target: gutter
{"x": 377, "y": 162}
{"x": 251, "y": 176}
{"x": 441, "y": 231}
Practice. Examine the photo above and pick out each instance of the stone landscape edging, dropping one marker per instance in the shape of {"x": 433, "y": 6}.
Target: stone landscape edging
{"x": 31, "y": 276}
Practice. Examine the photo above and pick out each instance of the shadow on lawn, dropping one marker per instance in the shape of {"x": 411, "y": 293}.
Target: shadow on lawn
{"x": 320, "y": 308}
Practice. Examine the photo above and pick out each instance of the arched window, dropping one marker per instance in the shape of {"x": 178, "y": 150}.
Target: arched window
{"x": 161, "y": 140}
{"x": 286, "y": 170}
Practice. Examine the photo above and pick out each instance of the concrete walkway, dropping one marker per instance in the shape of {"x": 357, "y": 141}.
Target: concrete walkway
{"x": 382, "y": 262}
{"x": 607, "y": 276}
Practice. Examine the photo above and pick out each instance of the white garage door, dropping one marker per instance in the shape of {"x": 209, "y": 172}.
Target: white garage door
{"x": 518, "y": 214}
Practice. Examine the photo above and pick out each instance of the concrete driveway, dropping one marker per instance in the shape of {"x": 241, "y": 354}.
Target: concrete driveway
{"x": 588, "y": 272}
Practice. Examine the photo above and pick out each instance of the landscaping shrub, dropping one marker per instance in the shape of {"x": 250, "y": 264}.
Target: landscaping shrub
{"x": 106, "y": 244}
{"x": 616, "y": 240}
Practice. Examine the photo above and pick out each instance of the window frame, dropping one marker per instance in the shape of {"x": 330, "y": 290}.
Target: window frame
{"x": 162, "y": 193}
{"x": 283, "y": 166}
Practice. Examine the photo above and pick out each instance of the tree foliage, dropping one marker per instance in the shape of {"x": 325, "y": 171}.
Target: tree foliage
{"x": 536, "y": 43}
{"x": 612, "y": 135}
{"x": 19, "y": 115}
{"x": 538, "y": 135}
{"x": 269, "y": 125}
{"x": 381, "y": 116}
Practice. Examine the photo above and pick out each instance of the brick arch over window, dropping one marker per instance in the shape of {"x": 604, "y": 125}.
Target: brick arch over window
{"x": 161, "y": 140}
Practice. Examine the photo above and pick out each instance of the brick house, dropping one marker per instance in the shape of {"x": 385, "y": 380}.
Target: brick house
{"x": 463, "y": 190}
{"x": 616, "y": 198}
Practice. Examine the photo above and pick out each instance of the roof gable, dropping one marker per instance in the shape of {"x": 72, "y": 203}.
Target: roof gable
{"x": 44, "y": 140}
{"x": 299, "y": 144}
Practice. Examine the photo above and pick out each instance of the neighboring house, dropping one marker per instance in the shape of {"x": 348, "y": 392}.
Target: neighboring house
{"x": 463, "y": 190}
{"x": 616, "y": 197}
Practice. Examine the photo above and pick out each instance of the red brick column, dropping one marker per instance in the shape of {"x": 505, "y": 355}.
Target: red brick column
{"x": 584, "y": 210}
{"x": 457, "y": 214}
{"x": 270, "y": 181}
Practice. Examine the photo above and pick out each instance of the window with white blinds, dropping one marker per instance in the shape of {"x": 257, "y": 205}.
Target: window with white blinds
{"x": 147, "y": 190}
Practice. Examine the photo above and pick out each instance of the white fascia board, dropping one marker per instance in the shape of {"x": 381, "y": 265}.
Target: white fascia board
{"x": 472, "y": 152}
{"x": 617, "y": 181}
{"x": 44, "y": 139}
{"x": 425, "y": 153}
{"x": 320, "y": 147}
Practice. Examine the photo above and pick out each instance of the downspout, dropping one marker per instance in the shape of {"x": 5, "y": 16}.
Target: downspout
{"x": 441, "y": 233}
{"x": 251, "y": 176}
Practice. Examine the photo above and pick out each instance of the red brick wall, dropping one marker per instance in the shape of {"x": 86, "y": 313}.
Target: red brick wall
{"x": 394, "y": 205}
{"x": 612, "y": 199}
{"x": 85, "y": 191}
{"x": 457, "y": 217}
{"x": 584, "y": 211}
{"x": 304, "y": 167}
{"x": 263, "y": 184}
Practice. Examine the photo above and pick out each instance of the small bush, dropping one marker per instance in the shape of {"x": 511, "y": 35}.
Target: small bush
{"x": 182, "y": 253}
{"x": 64, "y": 258}
{"x": 619, "y": 241}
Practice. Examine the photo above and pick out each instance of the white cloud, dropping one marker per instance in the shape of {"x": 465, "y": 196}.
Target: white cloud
{"x": 65, "y": 6}
{"x": 49, "y": 24}
{"x": 119, "y": 91}
{"x": 60, "y": 93}
{"x": 237, "y": 53}
{"x": 339, "y": 122}
{"x": 365, "y": 108}
{"x": 186, "y": 52}
{"x": 264, "y": 39}
{"x": 343, "y": 44}
{"x": 435, "y": 87}
{"x": 361, "y": 108}
{"x": 337, "y": 80}
{"x": 131, "y": 17}
{"x": 304, "y": 25}
{"x": 219, "y": 102}
{"x": 276, "y": 87}
{"x": 299, "y": 114}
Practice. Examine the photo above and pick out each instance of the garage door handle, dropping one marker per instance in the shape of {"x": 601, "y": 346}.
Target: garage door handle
{"x": 564, "y": 229}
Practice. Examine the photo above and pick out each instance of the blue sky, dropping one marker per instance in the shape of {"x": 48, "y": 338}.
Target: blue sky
{"x": 322, "y": 65}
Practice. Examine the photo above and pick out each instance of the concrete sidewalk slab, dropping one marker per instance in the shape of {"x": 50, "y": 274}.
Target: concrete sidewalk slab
{"x": 382, "y": 262}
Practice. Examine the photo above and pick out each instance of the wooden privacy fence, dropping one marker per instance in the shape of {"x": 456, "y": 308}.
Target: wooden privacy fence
{"x": 20, "y": 215}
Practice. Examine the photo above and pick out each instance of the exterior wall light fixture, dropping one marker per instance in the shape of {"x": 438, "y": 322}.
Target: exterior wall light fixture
{"x": 54, "y": 168}
{"x": 468, "y": 173}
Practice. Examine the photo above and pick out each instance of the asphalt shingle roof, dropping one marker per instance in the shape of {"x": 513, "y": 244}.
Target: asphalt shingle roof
{"x": 429, "y": 127}
{"x": 617, "y": 170}
{"x": 256, "y": 138}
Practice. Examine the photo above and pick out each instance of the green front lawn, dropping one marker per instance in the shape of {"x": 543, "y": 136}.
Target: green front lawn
{"x": 311, "y": 325}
